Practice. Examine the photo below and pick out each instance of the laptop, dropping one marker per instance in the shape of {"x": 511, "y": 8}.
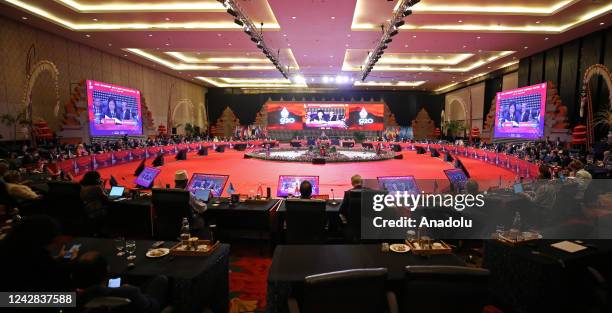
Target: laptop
{"x": 116, "y": 192}
{"x": 518, "y": 188}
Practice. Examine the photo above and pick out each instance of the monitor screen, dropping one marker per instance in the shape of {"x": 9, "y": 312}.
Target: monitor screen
{"x": 325, "y": 115}
{"x": 518, "y": 188}
{"x": 116, "y": 191}
{"x": 113, "y": 110}
{"x": 457, "y": 178}
{"x": 401, "y": 184}
{"x": 202, "y": 194}
{"x": 147, "y": 176}
{"x": 215, "y": 183}
{"x": 289, "y": 185}
{"x": 519, "y": 113}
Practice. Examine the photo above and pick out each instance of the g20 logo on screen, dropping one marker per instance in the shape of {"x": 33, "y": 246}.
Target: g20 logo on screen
{"x": 363, "y": 117}
{"x": 285, "y": 119}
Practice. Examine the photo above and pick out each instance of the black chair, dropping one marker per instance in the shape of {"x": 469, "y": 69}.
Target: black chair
{"x": 351, "y": 291}
{"x": 444, "y": 289}
{"x": 306, "y": 221}
{"x": 107, "y": 305}
{"x": 66, "y": 206}
{"x": 353, "y": 218}
{"x": 170, "y": 206}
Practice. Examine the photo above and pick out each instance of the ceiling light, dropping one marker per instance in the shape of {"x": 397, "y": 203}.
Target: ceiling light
{"x": 546, "y": 38}
{"x": 238, "y": 22}
{"x": 407, "y": 12}
{"x": 150, "y": 35}
{"x": 110, "y": 44}
{"x": 393, "y": 33}
{"x": 167, "y": 44}
{"x": 400, "y": 23}
{"x": 231, "y": 12}
{"x": 389, "y": 40}
{"x": 478, "y": 37}
{"x": 602, "y": 23}
{"x": 460, "y": 21}
{"x": 294, "y": 17}
{"x": 333, "y": 17}
{"x": 167, "y": 18}
{"x": 525, "y": 47}
{"x": 94, "y": 19}
{"x": 24, "y": 18}
{"x": 87, "y": 35}
{"x": 537, "y": 22}
{"x": 413, "y": 36}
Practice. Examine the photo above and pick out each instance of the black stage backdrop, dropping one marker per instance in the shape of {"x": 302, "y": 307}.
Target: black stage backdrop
{"x": 404, "y": 104}
{"x": 565, "y": 65}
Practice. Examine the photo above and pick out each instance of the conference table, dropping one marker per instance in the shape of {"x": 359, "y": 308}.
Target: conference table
{"x": 292, "y": 263}
{"x": 535, "y": 277}
{"x": 196, "y": 282}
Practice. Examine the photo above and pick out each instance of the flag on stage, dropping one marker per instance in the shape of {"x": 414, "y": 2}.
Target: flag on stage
{"x": 230, "y": 189}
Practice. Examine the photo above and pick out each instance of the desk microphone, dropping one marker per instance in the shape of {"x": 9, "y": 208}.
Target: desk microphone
{"x": 333, "y": 198}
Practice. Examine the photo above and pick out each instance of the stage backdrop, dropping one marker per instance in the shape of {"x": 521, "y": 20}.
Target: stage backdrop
{"x": 403, "y": 104}
{"x": 325, "y": 115}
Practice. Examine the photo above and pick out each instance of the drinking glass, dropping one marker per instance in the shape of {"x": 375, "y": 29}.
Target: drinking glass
{"x": 410, "y": 236}
{"x": 130, "y": 247}
{"x": 119, "y": 245}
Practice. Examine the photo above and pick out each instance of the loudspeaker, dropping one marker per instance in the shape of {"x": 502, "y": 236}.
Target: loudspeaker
{"x": 159, "y": 160}
{"x": 397, "y": 148}
{"x": 398, "y": 156}
{"x": 318, "y": 161}
{"x": 182, "y": 155}
{"x": 203, "y": 151}
{"x": 140, "y": 167}
{"x": 420, "y": 150}
{"x": 240, "y": 146}
{"x": 220, "y": 149}
{"x": 448, "y": 157}
{"x": 268, "y": 193}
{"x": 434, "y": 153}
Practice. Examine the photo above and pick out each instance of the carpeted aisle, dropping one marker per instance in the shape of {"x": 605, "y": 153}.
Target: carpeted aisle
{"x": 248, "y": 284}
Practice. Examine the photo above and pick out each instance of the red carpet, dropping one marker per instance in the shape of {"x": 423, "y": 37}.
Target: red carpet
{"x": 248, "y": 284}
{"x": 247, "y": 174}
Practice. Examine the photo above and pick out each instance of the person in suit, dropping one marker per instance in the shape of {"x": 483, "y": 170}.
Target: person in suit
{"x": 91, "y": 274}
{"x": 511, "y": 115}
{"x": 111, "y": 109}
{"x": 357, "y": 183}
{"x": 525, "y": 113}
{"x": 123, "y": 112}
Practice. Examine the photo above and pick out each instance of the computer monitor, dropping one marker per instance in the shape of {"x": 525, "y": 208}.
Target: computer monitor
{"x": 116, "y": 192}
{"x": 457, "y": 178}
{"x": 215, "y": 183}
{"x": 289, "y": 185}
{"x": 147, "y": 176}
{"x": 400, "y": 184}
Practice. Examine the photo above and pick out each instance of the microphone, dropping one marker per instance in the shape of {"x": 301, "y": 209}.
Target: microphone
{"x": 333, "y": 198}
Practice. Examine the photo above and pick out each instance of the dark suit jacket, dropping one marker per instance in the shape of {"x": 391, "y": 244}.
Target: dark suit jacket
{"x": 141, "y": 303}
{"x": 344, "y": 207}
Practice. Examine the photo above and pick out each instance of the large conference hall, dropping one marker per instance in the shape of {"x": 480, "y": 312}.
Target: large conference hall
{"x": 314, "y": 156}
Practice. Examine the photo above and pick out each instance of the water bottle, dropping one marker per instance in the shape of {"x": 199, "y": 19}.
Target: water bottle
{"x": 185, "y": 233}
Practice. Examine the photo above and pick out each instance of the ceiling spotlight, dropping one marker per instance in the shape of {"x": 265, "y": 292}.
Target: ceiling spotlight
{"x": 389, "y": 40}
{"x": 393, "y": 33}
{"x": 238, "y": 22}
{"x": 407, "y": 12}
{"x": 259, "y": 45}
{"x": 255, "y": 39}
{"x": 231, "y": 12}
{"x": 400, "y": 23}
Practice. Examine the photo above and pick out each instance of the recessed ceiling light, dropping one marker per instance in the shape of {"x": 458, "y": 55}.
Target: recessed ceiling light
{"x": 294, "y": 17}
{"x": 288, "y": 45}
{"x": 478, "y": 37}
{"x": 331, "y": 56}
{"x": 284, "y": 35}
{"x": 229, "y": 43}
{"x": 198, "y": 53}
{"x": 305, "y": 55}
{"x": 331, "y": 66}
{"x": 346, "y": 45}
{"x": 167, "y": 18}
{"x": 333, "y": 17}
{"x": 349, "y": 35}
{"x": 537, "y": 22}
{"x": 460, "y": 21}
{"x": 546, "y": 38}
{"x": 413, "y": 36}
{"x": 156, "y": 48}
{"x": 601, "y": 23}
{"x": 218, "y": 35}
{"x": 150, "y": 35}
{"x": 125, "y": 55}
{"x": 87, "y": 35}
{"x": 525, "y": 47}
{"x": 405, "y": 46}
{"x": 94, "y": 19}
{"x": 110, "y": 44}
{"x": 464, "y": 46}
{"x": 167, "y": 44}
{"x": 24, "y": 18}
{"x": 479, "y": 51}
{"x": 488, "y": 67}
